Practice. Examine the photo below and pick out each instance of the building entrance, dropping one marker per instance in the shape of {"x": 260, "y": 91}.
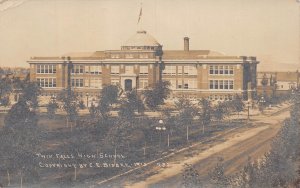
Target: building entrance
{"x": 128, "y": 85}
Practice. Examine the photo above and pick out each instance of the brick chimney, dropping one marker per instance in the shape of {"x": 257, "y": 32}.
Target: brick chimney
{"x": 186, "y": 43}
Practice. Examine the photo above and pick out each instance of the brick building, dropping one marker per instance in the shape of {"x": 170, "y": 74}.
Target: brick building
{"x": 141, "y": 63}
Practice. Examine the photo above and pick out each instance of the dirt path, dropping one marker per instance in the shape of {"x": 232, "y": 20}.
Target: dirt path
{"x": 235, "y": 150}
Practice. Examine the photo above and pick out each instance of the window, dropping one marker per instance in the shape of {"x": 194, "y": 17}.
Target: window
{"x": 77, "y": 82}
{"x": 179, "y": 70}
{"x": 225, "y": 84}
{"x": 230, "y": 84}
{"x": 226, "y": 97}
{"x": 226, "y": 70}
{"x": 143, "y": 83}
{"x": 128, "y": 69}
{"x": 192, "y": 83}
{"x": 95, "y": 69}
{"x": 216, "y": 97}
{"x": 46, "y": 82}
{"x": 230, "y": 69}
{"x": 211, "y": 69}
{"x": 143, "y": 69}
{"x": 87, "y": 69}
{"x": 115, "y": 82}
{"x": 186, "y": 86}
{"x": 216, "y": 70}
{"x": 221, "y": 84}
{"x": 46, "y": 69}
{"x": 170, "y": 70}
{"x": 114, "y": 69}
{"x": 77, "y": 69}
{"x": 95, "y": 83}
{"x": 221, "y": 69}
{"x": 190, "y": 70}
{"x": 179, "y": 84}
{"x": 211, "y": 84}
{"x": 216, "y": 84}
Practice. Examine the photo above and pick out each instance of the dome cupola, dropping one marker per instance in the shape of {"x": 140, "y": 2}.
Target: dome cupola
{"x": 141, "y": 41}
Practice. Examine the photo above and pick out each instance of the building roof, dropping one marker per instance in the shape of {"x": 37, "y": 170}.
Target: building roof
{"x": 167, "y": 55}
{"x": 286, "y": 76}
{"x": 141, "y": 38}
{"x": 195, "y": 54}
{"x": 280, "y": 76}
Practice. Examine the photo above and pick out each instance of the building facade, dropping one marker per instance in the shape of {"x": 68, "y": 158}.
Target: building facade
{"x": 140, "y": 63}
{"x": 279, "y": 82}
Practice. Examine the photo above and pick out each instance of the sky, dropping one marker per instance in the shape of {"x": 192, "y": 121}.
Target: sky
{"x": 267, "y": 29}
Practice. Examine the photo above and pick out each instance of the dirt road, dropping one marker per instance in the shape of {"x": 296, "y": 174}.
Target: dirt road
{"x": 235, "y": 149}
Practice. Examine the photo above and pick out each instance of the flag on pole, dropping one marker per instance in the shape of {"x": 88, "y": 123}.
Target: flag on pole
{"x": 140, "y": 16}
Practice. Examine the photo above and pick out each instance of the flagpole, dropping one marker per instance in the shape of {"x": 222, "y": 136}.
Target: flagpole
{"x": 139, "y": 22}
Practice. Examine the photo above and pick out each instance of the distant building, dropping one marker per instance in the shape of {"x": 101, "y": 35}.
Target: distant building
{"x": 287, "y": 80}
{"x": 282, "y": 82}
{"x": 141, "y": 62}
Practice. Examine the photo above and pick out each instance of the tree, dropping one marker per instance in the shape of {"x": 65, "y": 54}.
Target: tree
{"x": 129, "y": 104}
{"x": 238, "y": 104}
{"x": 51, "y": 108}
{"x": 4, "y": 101}
{"x": 169, "y": 119}
{"x": 69, "y": 99}
{"x": 5, "y": 87}
{"x": 273, "y": 84}
{"x": 220, "y": 111}
{"x": 109, "y": 95}
{"x": 81, "y": 105}
{"x": 264, "y": 83}
{"x": 205, "y": 113}
{"x": 156, "y": 96}
{"x": 190, "y": 177}
{"x": 30, "y": 92}
{"x": 19, "y": 141}
{"x": 277, "y": 168}
{"x": 93, "y": 110}
{"x": 187, "y": 111}
{"x": 118, "y": 137}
